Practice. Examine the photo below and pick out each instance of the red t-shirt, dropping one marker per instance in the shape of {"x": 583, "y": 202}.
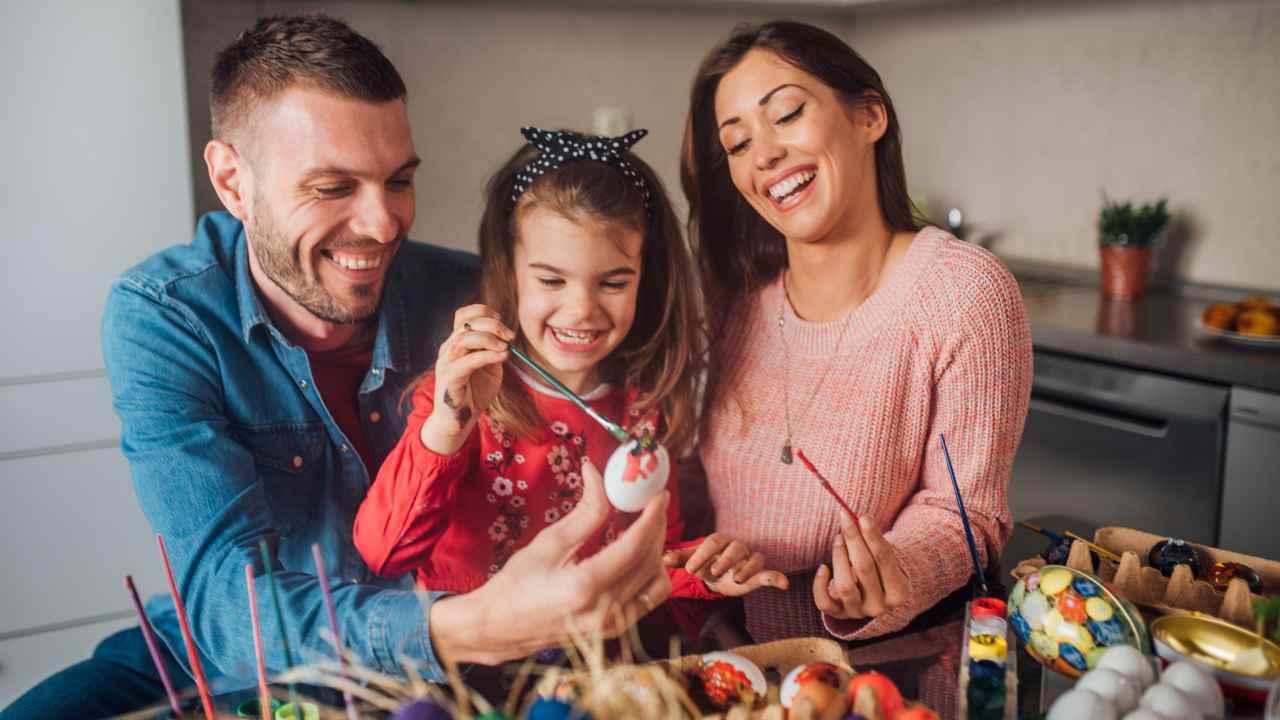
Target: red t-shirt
{"x": 338, "y": 374}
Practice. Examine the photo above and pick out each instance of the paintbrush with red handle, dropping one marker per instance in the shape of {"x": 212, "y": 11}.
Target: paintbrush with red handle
{"x": 826, "y": 485}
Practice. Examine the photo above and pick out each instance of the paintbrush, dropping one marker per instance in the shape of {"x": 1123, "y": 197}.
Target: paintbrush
{"x": 318, "y": 556}
{"x": 152, "y": 647}
{"x": 826, "y": 485}
{"x": 614, "y": 428}
{"x": 1047, "y": 533}
{"x": 193, "y": 655}
{"x": 264, "y": 694}
{"x": 1097, "y": 549}
{"x": 284, "y": 635}
{"x": 964, "y": 518}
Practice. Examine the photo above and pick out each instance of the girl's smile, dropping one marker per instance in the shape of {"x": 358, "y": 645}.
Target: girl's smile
{"x": 576, "y": 283}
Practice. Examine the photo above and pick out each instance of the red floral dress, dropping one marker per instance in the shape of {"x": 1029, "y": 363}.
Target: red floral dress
{"x": 455, "y": 520}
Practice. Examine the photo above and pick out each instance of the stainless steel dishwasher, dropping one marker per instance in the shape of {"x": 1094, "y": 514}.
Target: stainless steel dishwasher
{"x": 1107, "y": 445}
{"x": 1251, "y": 482}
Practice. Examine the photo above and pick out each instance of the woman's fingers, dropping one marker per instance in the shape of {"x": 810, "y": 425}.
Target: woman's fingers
{"x": 865, "y": 570}
{"x": 894, "y": 580}
{"x": 822, "y": 593}
{"x": 844, "y": 583}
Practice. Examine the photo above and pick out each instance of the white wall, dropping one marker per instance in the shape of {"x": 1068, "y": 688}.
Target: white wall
{"x": 1023, "y": 113}
{"x": 94, "y": 136}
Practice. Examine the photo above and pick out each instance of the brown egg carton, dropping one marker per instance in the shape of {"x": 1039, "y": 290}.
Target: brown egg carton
{"x": 1146, "y": 587}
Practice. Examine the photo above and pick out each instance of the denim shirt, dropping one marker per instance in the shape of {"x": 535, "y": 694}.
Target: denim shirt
{"x": 229, "y": 442}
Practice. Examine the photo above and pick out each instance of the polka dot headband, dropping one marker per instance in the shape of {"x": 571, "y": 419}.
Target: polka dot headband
{"x": 560, "y": 147}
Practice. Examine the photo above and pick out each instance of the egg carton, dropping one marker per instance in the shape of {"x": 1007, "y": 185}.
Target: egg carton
{"x": 775, "y": 658}
{"x": 1181, "y": 593}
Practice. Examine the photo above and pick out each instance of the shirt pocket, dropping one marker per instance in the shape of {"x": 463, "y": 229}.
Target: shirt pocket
{"x": 289, "y": 460}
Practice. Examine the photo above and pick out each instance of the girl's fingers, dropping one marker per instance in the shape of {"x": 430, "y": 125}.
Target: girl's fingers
{"x": 491, "y": 325}
{"x": 459, "y": 370}
{"x": 676, "y": 558}
{"x": 705, "y": 553}
{"x": 745, "y": 570}
{"x": 475, "y": 340}
{"x": 470, "y": 313}
{"x": 768, "y": 578}
{"x": 730, "y": 557}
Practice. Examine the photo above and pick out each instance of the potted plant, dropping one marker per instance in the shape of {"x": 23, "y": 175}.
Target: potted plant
{"x": 1126, "y": 234}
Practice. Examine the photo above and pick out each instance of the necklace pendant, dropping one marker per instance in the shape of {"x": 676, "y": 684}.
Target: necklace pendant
{"x": 786, "y": 453}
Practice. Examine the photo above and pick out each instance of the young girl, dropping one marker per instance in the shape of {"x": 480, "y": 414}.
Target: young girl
{"x": 583, "y": 266}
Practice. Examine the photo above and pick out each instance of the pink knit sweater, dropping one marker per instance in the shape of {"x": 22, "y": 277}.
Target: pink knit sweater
{"x": 942, "y": 347}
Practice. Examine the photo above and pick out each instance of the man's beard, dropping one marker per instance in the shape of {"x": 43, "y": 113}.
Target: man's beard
{"x": 279, "y": 259}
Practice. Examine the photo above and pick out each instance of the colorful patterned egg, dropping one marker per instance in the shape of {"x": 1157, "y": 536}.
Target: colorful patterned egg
{"x": 729, "y": 679}
{"x": 813, "y": 672}
{"x": 1065, "y": 618}
{"x": 634, "y": 474}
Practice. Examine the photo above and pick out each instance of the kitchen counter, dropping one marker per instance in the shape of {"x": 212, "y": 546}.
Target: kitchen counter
{"x": 1156, "y": 332}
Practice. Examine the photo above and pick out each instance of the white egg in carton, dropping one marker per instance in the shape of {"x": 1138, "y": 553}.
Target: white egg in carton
{"x": 1123, "y": 687}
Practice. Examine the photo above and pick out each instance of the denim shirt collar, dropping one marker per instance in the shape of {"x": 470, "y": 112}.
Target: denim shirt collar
{"x": 390, "y": 347}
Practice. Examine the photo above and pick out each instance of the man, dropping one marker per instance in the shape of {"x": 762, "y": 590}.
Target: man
{"x": 258, "y": 374}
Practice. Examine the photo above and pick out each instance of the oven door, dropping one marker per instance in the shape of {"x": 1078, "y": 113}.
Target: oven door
{"x": 1107, "y": 445}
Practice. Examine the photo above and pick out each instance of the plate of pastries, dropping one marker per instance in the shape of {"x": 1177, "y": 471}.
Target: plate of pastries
{"x": 1252, "y": 321}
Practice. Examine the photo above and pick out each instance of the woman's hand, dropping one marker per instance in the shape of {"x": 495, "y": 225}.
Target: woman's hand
{"x": 545, "y": 592}
{"x": 865, "y": 579}
{"x": 468, "y": 375}
{"x": 727, "y": 566}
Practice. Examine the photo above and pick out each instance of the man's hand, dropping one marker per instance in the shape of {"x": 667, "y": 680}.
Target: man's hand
{"x": 727, "y": 566}
{"x": 544, "y": 591}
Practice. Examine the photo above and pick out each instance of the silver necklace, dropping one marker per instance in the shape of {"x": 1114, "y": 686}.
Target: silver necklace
{"x": 786, "y": 380}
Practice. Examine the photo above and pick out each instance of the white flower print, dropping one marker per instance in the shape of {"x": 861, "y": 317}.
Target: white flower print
{"x": 490, "y": 497}
{"x": 559, "y": 428}
{"x": 524, "y": 520}
{"x": 577, "y": 440}
{"x": 498, "y": 530}
{"x": 551, "y": 515}
{"x": 522, "y": 485}
{"x": 566, "y": 506}
{"x": 559, "y": 460}
{"x": 519, "y": 459}
{"x": 573, "y": 480}
{"x": 495, "y": 456}
{"x": 502, "y": 486}
{"x": 517, "y": 501}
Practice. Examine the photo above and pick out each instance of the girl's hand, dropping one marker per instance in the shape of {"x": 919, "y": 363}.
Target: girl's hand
{"x": 726, "y": 566}
{"x": 867, "y": 581}
{"x": 468, "y": 375}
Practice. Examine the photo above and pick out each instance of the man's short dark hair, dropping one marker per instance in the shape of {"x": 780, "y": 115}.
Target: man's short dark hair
{"x": 313, "y": 51}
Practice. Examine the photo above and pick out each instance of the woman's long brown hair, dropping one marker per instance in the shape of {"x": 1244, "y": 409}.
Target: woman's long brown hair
{"x": 738, "y": 251}
{"x": 661, "y": 356}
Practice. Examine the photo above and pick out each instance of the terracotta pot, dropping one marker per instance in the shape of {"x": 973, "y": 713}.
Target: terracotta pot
{"x": 1124, "y": 270}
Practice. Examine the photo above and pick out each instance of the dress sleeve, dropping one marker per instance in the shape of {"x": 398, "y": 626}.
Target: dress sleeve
{"x": 981, "y": 392}
{"x": 408, "y": 506}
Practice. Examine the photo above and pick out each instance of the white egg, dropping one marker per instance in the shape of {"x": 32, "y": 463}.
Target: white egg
{"x": 1121, "y": 690}
{"x": 753, "y": 672}
{"x": 1194, "y": 681}
{"x": 1171, "y": 703}
{"x": 630, "y": 480}
{"x": 1130, "y": 662}
{"x": 791, "y": 683}
{"x": 1144, "y": 714}
{"x": 1078, "y": 703}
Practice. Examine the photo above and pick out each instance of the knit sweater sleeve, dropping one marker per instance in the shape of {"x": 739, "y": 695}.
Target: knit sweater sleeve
{"x": 982, "y": 385}
{"x": 407, "y": 508}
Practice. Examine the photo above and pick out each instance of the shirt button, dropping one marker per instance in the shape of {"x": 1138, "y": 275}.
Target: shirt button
{"x": 302, "y": 384}
{"x": 345, "y": 447}
{"x": 377, "y": 371}
{"x": 297, "y": 461}
{"x": 375, "y": 416}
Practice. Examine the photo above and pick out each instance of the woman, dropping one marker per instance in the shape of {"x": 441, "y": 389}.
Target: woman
{"x": 845, "y": 330}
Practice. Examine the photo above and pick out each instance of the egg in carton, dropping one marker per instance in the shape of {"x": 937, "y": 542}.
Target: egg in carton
{"x": 1179, "y": 592}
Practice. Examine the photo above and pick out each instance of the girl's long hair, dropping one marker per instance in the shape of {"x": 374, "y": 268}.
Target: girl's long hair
{"x": 661, "y": 357}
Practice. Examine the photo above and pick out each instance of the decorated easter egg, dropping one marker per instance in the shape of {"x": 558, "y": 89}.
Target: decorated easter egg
{"x": 729, "y": 679}
{"x": 1080, "y": 703}
{"x": 1064, "y": 617}
{"x": 826, "y": 701}
{"x": 1200, "y": 685}
{"x": 1120, "y": 690}
{"x": 1131, "y": 663}
{"x": 887, "y": 695}
{"x": 552, "y": 709}
{"x": 635, "y": 473}
{"x": 1220, "y": 574}
{"x": 800, "y": 675}
{"x": 1170, "y": 702}
{"x": 1172, "y": 552}
{"x": 310, "y": 711}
